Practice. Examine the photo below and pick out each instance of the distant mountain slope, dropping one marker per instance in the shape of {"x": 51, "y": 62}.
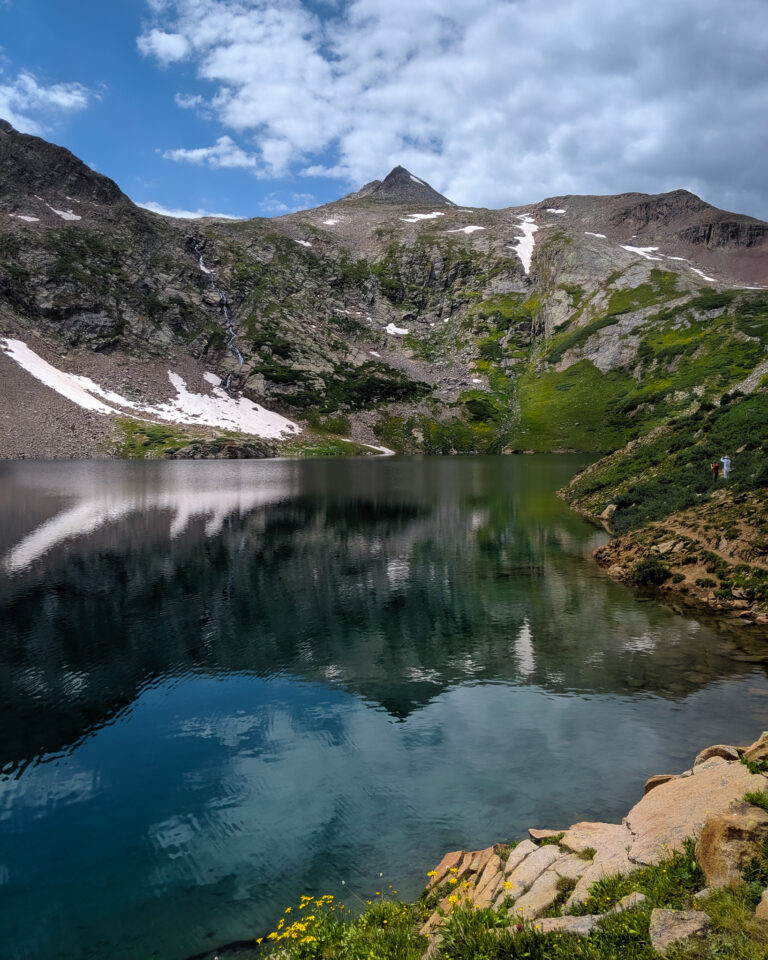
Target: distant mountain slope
{"x": 391, "y": 317}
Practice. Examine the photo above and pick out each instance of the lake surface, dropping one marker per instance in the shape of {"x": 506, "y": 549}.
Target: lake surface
{"x": 223, "y": 685}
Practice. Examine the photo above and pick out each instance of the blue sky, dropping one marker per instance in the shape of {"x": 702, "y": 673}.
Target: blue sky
{"x": 258, "y": 107}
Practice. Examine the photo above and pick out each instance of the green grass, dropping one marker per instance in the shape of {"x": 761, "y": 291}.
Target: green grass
{"x": 573, "y": 408}
{"x": 144, "y": 441}
{"x": 328, "y": 446}
{"x": 757, "y": 798}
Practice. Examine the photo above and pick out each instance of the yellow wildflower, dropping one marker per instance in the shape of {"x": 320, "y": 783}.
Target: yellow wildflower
{"x": 432, "y": 873}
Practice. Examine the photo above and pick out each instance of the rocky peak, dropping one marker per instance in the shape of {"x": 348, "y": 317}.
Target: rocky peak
{"x": 401, "y": 186}
{"x": 30, "y": 165}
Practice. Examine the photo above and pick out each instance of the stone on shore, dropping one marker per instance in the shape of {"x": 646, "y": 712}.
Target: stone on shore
{"x": 678, "y": 809}
{"x": 669, "y": 926}
{"x": 758, "y": 751}
{"x": 716, "y": 750}
{"x": 728, "y": 842}
{"x": 539, "y": 835}
{"x": 657, "y": 780}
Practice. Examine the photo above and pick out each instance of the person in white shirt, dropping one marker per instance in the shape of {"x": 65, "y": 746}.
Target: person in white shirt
{"x": 726, "y": 462}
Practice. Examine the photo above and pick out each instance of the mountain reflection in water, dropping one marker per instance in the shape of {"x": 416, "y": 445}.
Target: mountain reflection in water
{"x": 340, "y": 666}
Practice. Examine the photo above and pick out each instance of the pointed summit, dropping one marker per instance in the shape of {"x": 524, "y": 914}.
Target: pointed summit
{"x": 401, "y": 186}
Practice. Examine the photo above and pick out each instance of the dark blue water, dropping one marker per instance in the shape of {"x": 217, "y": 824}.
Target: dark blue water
{"x": 223, "y": 685}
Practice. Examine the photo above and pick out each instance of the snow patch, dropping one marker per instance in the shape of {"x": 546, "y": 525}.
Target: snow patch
{"x": 218, "y": 410}
{"x": 304, "y": 243}
{"x": 21, "y": 216}
{"x": 589, "y": 233}
{"x": 374, "y": 354}
{"x": 64, "y": 214}
{"x": 212, "y": 379}
{"x": 685, "y": 259}
{"x": 525, "y": 244}
{"x": 330, "y": 223}
{"x": 415, "y": 217}
{"x": 465, "y": 230}
{"x": 476, "y": 380}
{"x": 396, "y": 331}
{"x": 646, "y": 252}
{"x": 554, "y": 210}
{"x": 416, "y": 180}
{"x": 703, "y": 275}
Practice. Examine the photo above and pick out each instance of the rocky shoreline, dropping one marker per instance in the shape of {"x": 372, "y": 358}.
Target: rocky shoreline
{"x": 713, "y": 555}
{"x": 543, "y": 880}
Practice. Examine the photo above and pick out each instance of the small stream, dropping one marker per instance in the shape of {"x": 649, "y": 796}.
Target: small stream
{"x": 223, "y": 307}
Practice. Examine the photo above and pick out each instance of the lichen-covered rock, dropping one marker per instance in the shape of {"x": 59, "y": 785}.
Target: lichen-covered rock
{"x": 669, "y": 926}
{"x": 728, "y": 842}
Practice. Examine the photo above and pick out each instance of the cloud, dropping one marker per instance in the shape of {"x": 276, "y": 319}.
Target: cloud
{"x": 27, "y": 104}
{"x": 183, "y": 214}
{"x": 494, "y": 102}
{"x": 167, "y": 47}
{"x": 225, "y": 153}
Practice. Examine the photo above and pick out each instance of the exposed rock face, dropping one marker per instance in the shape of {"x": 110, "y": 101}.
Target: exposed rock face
{"x": 669, "y": 926}
{"x": 728, "y": 842}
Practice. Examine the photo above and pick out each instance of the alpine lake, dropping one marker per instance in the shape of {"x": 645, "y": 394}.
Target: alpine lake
{"x": 227, "y": 684}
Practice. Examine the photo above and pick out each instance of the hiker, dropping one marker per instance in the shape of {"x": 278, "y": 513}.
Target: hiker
{"x": 715, "y": 470}
{"x": 726, "y": 462}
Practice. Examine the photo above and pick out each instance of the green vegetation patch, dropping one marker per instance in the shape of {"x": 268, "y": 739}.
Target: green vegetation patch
{"x": 672, "y": 471}
{"x": 145, "y": 441}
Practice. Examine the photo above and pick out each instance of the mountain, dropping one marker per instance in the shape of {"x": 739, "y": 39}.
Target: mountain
{"x": 390, "y": 317}
{"x": 402, "y": 187}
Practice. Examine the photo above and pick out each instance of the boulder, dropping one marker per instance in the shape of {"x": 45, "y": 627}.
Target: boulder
{"x": 577, "y": 926}
{"x": 728, "y": 842}
{"x": 516, "y": 856}
{"x": 678, "y": 809}
{"x": 657, "y": 780}
{"x": 758, "y": 750}
{"x": 596, "y": 836}
{"x": 669, "y": 926}
{"x": 523, "y": 877}
{"x": 629, "y": 902}
{"x": 610, "y": 841}
{"x": 539, "y": 835}
{"x": 539, "y": 898}
{"x": 452, "y": 859}
{"x": 717, "y": 750}
{"x": 489, "y": 883}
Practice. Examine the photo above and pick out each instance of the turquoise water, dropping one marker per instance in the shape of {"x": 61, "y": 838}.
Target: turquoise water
{"x": 224, "y": 685}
